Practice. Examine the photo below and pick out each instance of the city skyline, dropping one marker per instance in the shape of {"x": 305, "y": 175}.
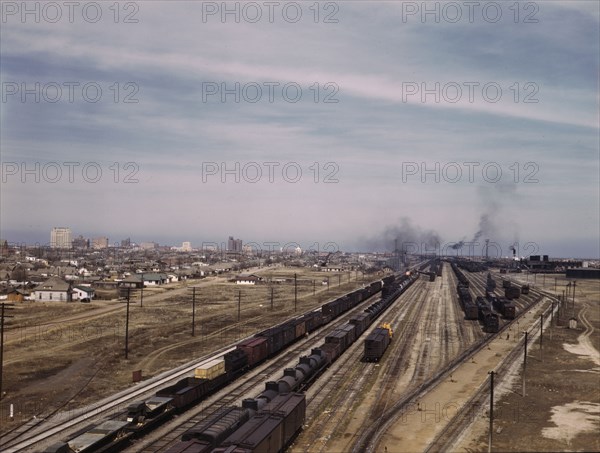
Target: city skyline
{"x": 419, "y": 244}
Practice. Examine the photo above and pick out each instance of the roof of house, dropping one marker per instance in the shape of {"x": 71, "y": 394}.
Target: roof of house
{"x": 87, "y": 289}
{"x": 53, "y": 284}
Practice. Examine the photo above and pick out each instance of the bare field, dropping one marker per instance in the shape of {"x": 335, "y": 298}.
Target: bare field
{"x": 65, "y": 355}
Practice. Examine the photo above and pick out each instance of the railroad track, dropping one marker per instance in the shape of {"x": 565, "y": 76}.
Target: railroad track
{"x": 369, "y": 440}
{"x": 464, "y": 416}
{"x": 170, "y": 433}
{"x": 33, "y": 431}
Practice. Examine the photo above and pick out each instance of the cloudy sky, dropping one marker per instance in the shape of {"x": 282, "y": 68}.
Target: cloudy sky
{"x": 306, "y": 122}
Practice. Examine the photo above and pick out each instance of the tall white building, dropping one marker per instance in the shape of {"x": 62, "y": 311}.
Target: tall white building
{"x": 60, "y": 238}
{"x": 186, "y": 247}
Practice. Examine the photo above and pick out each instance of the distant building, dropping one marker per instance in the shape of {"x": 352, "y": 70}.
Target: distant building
{"x": 126, "y": 242}
{"x": 186, "y": 247}
{"x": 100, "y": 243}
{"x": 148, "y": 245}
{"x": 234, "y": 245}
{"x": 81, "y": 243}
{"x": 60, "y": 238}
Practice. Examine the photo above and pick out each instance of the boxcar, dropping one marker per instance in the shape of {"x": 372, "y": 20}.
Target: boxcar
{"x": 376, "y": 344}
{"x": 219, "y": 426}
{"x": 300, "y": 327}
{"x": 331, "y": 351}
{"x": 273, "y": 428}
{"x": 185, "y": 392}
{"x": 512, "y": 292}
{"x": 235, "y": 360}
{"x": 361, "y": 321}
{"x": 256, "y": 349}
{"x": 191, "y": 446}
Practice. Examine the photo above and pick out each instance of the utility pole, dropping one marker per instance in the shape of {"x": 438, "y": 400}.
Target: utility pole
{"x": 239, "y": 305}
{"x": 193, "y": 311}
{"x": 339, "y": 279}
{"x": 2, "y": 316}
{"x": 491, "y": 429}
{"x": 271, "y": 298}
{"x": 525, "y": 362}
{"x": 295, "y": 292}
{"x": 313, "y": 287}
{"x": 142, "y": 293}
{"x": 574, "y": 285}
{"x": 542, "y": 336}
{"x": 127, "y": 325}
{"x": 554, "y": 284}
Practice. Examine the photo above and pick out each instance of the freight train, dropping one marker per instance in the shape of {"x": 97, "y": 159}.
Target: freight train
{"x": 263, "y": 431}
{"x": 464, "y": 295}
{"x": 146, "y": 415}
{"x": 488, "y": 319}
{"x": 490, "y": 284}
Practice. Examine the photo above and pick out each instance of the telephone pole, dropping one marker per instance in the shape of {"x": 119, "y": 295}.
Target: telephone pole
{"x": 127, "y": 325}
{"x": 239, "y": 305}
{"x": 2, "y": 316}
{"x": 491, "y": 429}
{"x": 193, "y": 311}
{"x": 272, "y": 298}
{"x": 295, "y": 292}
{"x": 525, "y": 362}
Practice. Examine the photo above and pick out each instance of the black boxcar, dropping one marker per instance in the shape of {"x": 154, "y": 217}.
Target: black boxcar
{"x": 361, "y": 321}
{"x": 235, "y": 360}
{"x": 191, "y": 446}
{"x": 219, "y": 426}
{"x": 186, "y": 392}
{"x": 512, "y": 292}
{"x": 273, "y": 428}
{"x": 331, "y": 350}
{"x": 376, "y": 344}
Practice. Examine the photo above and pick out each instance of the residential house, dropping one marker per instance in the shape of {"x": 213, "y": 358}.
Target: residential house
{"x": 83, "y": 293}
{"x": 247, "y": 279}
{"x": 53, "y": 290}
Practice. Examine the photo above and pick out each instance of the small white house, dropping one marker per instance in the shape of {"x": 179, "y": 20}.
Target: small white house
{"x": 83, "y": 293}
{"x": 247, "y": 279}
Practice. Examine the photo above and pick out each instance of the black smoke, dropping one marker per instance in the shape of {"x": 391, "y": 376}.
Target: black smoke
{"x": 409, "y": 237}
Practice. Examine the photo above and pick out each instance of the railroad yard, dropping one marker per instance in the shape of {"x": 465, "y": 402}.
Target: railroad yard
{"x": 429, "y": 391}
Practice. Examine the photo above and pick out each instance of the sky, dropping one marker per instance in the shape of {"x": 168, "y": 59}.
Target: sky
{"x": 333, "y": 125}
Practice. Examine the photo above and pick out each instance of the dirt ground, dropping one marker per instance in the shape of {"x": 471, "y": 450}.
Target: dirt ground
{"x": 63, "y": 356}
